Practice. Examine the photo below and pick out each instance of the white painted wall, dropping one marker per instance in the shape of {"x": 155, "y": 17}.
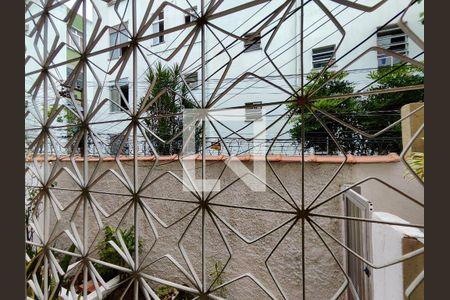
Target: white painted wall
{"x": 319, "y": 31}
{"x": 387, "y": 199}
{"x": 387, "y": 246}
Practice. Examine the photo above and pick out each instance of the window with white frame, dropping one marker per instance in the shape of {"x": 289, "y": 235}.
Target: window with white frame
{"x": 322, "y": 55}
{"x": 74, "y": 37}
{"x": 392, "y": 38}
{"x": 78, "y": 84}
{"x": 191, "y": 79}
{"x": 158, "y": 26}
{"x": 253, "y": 111}
{"x": 119, "y": 96}
{"x": 191, "y": 15}
{"x": 252, "y": 44}
{"x": 118, "y": 35}
{"x": 358, "y": 238}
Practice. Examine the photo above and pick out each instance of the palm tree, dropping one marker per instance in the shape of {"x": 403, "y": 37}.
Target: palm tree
{"x": 166, "y": 114}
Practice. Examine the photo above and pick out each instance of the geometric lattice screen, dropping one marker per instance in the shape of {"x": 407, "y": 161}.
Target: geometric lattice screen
{"x": 134, "y": 187}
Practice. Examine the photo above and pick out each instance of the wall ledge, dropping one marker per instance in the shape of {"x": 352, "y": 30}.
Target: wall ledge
{"x": 328, "y": 159}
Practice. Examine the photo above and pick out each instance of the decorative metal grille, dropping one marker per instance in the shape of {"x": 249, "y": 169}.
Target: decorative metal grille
{"x": 70, "y": 188}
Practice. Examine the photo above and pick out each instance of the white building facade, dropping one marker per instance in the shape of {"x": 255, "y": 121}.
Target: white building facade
{"x": 247, "y": 66}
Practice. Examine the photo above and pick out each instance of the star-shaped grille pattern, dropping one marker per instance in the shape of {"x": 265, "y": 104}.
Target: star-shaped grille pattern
{"x": 222, "y": 242}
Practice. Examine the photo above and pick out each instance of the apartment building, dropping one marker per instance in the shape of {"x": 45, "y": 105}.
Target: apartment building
{"x": 247, "y": 66}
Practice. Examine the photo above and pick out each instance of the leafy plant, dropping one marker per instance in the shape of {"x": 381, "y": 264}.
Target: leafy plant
{"x": 29, "y": 208}
{"x": 416, "y": 161}
{"x": 171, "y": 293}
{"x": 31, "y": 204}
{"x": 72, "y": 122}
{"x": 218, "y": 275}
{"x": 315, "y": 134}
{"x": 166, "y": 112}
{"x": 108, "y": 254}
{"x": 54, "y": 285}
{"x": 371, "y": 114}
{"x": 389, "y": 104}
{"x": 166, "y": 292}
{"x": 422, "y": 14}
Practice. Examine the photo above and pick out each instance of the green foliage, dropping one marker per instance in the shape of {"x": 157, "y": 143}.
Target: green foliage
{"x": 422, "y": 14}
{"x": 390, "y": 77}
{"x": 31, "y": 203}
{"x": 73, "y": 127}
{"x": 169, "y": 293}
{"x": 54, "y": 286}
{"x": 315, "y": 134}
{"x": 167, "y": 110}
{"x": 370, "y": 114}
{"x": 218, "y": 276}
{"x": 29, "y": 208}
{"x": 71, "y": 119}
{"x": 416, "y": 160}
{"x": 108, "y": 254}
{"x": 72, "y": 122}
{"x": 166, "y": 292}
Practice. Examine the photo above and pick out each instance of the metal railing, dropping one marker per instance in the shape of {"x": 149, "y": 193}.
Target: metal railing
{"x": 75, "y": 214}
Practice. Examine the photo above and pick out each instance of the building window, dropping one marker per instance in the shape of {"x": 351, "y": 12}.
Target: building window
{"x": 253, "y": 111}
{"x": 119, "y": 102}
{"x": 115, "y": 140}
{"x": 78, "y": 84}
{"x": 75, "y": 37}
{"x": 358, "y": 238}
{"x": 158, "y": 26}
{"x": 191, "y": 79}
{"x": 191, "y": 16}
{"x": 321, "y": 56}
{"x": 112, "y": 2}
{"x": 394, "y": 39}
{"x": 118, "y": 35}
{"x": 253, "y": 44}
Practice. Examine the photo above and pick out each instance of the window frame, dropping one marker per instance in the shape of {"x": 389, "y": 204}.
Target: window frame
{"x": 192, "y": 11}
{"x": 158, "y": 40}
{"x": 391, "y": 32}
{"x": 119, "y": 30}
{"x": 193, "y": 84}
{"x": 358, "y": 237}
{"x": 253, "y": 44}
{"x": 118, "y": 104}
{"x": 253, "y": 111}
{"x": 77, "y": 33}
{"x": 321, "y": 56}
{"x": 79, "y": 81}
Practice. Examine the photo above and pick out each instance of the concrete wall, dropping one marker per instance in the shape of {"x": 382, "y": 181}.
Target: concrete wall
{"x": 411, "y": 125}
{"x": 384, "y": 198}
{"x": 323, "y": 276}
{"x": 388, "y": 246}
